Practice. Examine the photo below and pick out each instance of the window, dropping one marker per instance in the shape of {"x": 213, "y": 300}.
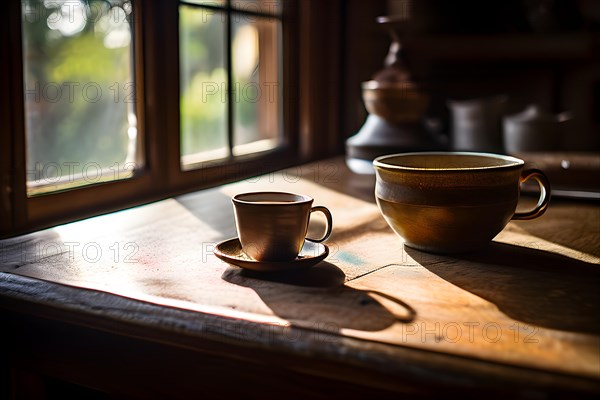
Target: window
{"x": 114, "y": 103}
{"x": 80, "y": 115}
{"x": 231, "y": 79}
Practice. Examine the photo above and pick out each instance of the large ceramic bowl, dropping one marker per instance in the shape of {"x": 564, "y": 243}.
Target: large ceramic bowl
{"x": 452, "y": 202}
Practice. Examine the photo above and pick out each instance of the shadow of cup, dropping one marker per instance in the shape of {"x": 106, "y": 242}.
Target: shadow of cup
{"x": 533, "y": 286}
{"x": 318, "y": 297}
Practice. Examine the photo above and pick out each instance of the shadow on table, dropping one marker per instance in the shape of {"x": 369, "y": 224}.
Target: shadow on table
{"x": 532, "y": 286}
{"x": 45, "y": 246}
{"x": 213, "y": 208}
{"x": 578, "y": 233}
{"x": 317, "y": 297}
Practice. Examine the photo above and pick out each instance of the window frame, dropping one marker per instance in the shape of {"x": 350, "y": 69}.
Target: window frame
{"x": 311, "y": 131}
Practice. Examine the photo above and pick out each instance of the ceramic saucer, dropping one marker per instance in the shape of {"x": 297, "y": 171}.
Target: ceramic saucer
{"x": 231, "y": 251}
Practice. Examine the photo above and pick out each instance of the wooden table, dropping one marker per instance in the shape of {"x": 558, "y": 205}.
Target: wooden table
{"x": 134, "y": 304}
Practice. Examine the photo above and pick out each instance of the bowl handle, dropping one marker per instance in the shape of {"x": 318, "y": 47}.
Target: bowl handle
{"x": 545, "y": 192}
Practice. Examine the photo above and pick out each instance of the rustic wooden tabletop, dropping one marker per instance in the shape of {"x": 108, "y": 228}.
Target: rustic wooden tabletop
{"x": 522, "y": 314}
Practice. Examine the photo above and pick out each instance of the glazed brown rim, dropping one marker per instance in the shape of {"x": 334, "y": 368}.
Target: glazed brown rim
{"x": 514, "y": 162}
{"x": 303, "y": 199}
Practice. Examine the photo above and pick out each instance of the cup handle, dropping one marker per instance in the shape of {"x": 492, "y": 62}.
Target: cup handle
{"x": 545, "y": 192}
{"x": 325, "y": 211}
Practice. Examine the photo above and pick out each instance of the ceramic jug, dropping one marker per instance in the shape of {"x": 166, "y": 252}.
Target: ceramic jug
{"x": 534, "y": 130}
{"x": 476, "y": 124}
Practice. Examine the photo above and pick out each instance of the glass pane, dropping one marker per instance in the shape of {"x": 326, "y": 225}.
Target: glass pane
{"x": 203, "y": 85}
{"x": 257, "y": 83}
{"x": 272, "y": 7}
{"x": 79, "y": 92}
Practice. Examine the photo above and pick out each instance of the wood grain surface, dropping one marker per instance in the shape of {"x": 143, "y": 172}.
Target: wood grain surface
{"x": 528, "y": 300}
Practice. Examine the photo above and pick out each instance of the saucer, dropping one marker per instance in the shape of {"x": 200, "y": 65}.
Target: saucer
{"x": 231, "y": 251}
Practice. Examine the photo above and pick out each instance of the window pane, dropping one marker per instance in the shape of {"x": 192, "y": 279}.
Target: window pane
{"x": 203, "y": 84}
{"x": 79, "y": 92}
{"x": 257, "y": 83}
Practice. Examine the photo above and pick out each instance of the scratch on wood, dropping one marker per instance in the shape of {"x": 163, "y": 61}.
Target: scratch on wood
{"x": 368, "y": 273}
